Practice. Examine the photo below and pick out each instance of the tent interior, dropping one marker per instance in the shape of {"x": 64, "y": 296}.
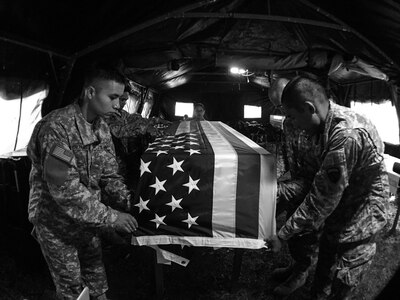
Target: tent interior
{"x": 183, "y": 51}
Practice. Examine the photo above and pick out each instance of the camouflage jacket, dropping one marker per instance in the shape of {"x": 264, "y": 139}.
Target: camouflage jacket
{"x": 303, "y": 154}
{"x": 124, "y": 125}
{"x": 125, "y": 128}
{"x": 73, "y": 162}
{"x": 351, "y": 187}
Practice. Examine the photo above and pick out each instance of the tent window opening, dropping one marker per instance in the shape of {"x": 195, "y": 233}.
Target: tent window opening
{"x": 132, "y": 104}
{"x": 383, "y": 116}
{"x": 252, "y": 112}
{"x": 183, "y": 108}
{"x": 17, "y": 120}
{"x": 148, "y": 105}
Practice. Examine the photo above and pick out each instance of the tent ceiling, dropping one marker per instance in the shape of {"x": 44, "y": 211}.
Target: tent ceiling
{"x": 164, "y": 44}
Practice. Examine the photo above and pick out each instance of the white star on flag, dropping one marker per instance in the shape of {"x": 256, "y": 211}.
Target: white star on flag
{"x": 144, "y": 167}
{"x": 190, "y": 221}
{"x": 150, "y": 148}
{"x": 168, "y": 141}
{"x": 175, "y": 203}
{"x": 161, "y": 152}
{"x": 192, "y": 151}
{"x": 193, "y": 143}
{"x": 193, "y": 138}
{"x": 192, "y": 134}
{"x": 158, "y": 185}
{"x": 165, "y": 145}
{"x": 142, "y": 205}
{"x": 179, "y": 147}
{"x": 176, "y": 166}
{"x": 192, "y": 184}
{"x": 158, "y": 220}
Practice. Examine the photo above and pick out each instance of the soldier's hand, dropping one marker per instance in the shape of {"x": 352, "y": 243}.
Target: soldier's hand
{"x": 125, "y": 223}
{"x": 158, "y": 120}
{"x": 274, "y": 244}
{"x": 154, "y": 131}
{"x": 164, "y": 122}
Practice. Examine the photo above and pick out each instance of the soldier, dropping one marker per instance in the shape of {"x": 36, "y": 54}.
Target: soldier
{"x": 303, "y": 162}
{"x": 127, "y": 131}
{"x": 73, "y": 161}
{"x": 348, "y": 193}
{"x": 198, "y": 112}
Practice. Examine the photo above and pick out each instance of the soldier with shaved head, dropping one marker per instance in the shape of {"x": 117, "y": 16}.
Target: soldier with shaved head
{"x": 348, "y": 193}
{"x": 303, "y": 163}
{"x": 73, "y": 163}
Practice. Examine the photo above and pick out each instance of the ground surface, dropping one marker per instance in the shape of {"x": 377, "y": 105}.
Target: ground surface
{"x": 24, "y": 275}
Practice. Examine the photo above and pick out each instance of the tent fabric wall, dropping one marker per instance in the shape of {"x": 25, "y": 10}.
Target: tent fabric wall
{"x": 18, "y": 117}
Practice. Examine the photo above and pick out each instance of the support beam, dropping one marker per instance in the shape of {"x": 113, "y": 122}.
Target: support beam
{"x": 263, "y": 17}
{"x": 31, "y": 46}
{"x": 350, "y": 29}
{"x": 141, "y": 26}
{"x": 64, "y": 82}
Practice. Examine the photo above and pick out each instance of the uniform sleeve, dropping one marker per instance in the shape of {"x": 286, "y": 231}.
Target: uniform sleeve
{"x": 128, "y": 125}
{"x": 293, "y": 190}
{"x": 112, "y": 183}
{"x": 327, "y": 188}
{"x": 61, "y": 175}
{"x": 290, "y": 148}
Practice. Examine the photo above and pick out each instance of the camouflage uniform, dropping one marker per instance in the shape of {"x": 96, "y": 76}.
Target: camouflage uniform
{"x": 348, "y": 194}
{"x": 126, "y": 130}
{"x": 73, "y": 161}
{"x": 303, "y": 156}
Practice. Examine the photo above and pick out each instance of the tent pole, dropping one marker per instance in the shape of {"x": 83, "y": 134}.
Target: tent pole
{"x": 53, "y": 69}
{"x": 64, "y": 83}
{"x": 350, "y": 29}
{"x": 261, "y": 17}
{"x": 30, "y": 46}
{"x": 141, "y": 26}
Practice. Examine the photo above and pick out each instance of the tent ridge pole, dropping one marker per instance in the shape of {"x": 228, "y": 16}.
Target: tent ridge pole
{"x": 352, "y": 30}
{"x": 141, "y": 26}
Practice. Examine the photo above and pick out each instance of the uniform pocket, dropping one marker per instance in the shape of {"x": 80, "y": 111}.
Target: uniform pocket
{"x": 354, "y": 263}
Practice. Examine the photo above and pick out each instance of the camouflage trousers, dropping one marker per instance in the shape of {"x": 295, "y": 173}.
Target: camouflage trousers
{"x": 341, "y": 267}
{"x": 74, "y": 261}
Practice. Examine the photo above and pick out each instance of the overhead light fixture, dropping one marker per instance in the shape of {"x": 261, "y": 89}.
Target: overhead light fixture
{"x": 236, "y": 70}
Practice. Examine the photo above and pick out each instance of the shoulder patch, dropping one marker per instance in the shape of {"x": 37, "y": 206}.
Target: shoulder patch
{"x": 55, "y": 170}
{"x": 63, "y": 154}
{"x": 333, "y": 174}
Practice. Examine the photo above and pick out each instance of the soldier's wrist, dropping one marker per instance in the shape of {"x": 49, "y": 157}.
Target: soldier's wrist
{"x": 112, "y": 218}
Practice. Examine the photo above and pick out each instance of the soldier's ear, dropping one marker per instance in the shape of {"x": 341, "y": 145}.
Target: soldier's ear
{"x": 90, "y": 91}
{"x": 310, "y": 107}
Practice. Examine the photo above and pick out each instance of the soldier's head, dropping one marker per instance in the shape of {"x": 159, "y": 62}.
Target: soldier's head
{"x": 198, "y": 111}
{"x": 304, "y": 101}
{"x": 276, "y": 89}
{"x": 103, "y": 86}
{"x": 124, "y": 98}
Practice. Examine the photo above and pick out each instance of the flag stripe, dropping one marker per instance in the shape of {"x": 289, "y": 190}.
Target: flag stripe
{"x": 268, "y": 187}
{"x": 225, "y": 183}
{"x": 247, "y": 193}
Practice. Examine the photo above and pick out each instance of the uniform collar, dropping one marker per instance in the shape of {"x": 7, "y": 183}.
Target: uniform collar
{"x": 87, "y": 131}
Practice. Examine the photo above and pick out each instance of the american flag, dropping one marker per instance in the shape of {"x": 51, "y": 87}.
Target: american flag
{"x": 205, "y": 184}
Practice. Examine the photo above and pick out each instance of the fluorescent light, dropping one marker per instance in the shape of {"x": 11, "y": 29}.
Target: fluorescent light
{"x": 252, "y": 112}
{"x": 183, "y": 108}
{"x": 236, "y": 70}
